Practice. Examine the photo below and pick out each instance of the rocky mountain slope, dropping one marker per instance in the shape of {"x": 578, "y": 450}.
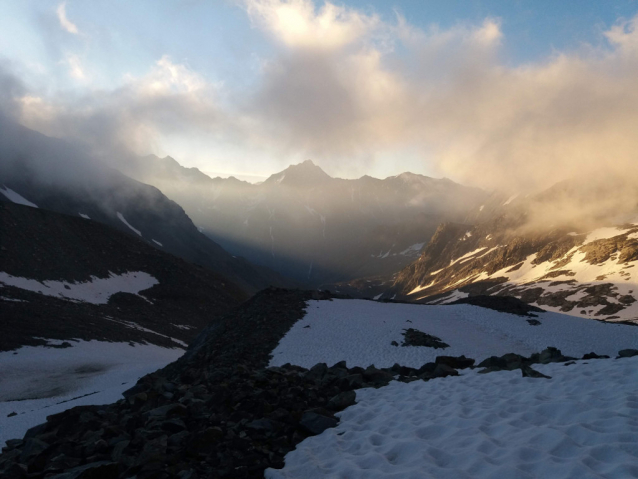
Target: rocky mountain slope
{"x": 309, "y": 226}
{"x": 51, "y": 174}
{"x": 65, "y": 277}
{"x": 587, "y": 273}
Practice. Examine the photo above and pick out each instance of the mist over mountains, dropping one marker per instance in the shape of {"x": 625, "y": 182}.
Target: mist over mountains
{"x": 62, "y": 177}
{"x": 309, "y": 226}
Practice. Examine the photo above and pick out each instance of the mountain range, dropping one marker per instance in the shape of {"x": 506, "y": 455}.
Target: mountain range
{"x": 311, "y": 227}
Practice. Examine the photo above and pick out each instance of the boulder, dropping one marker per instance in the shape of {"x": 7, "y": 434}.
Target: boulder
{"x": 528, "y": 372}
{"x": 456, "y": 362}
{"x": 315, "y": 423}
{"x": 342, "y": 401}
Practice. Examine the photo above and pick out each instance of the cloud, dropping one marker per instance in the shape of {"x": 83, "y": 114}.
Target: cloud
{"x": 380, "y": 87}
{"x": 65, "y": 23}
{"x": 351, "y": 89}
{"x": 76, "y": 69}
{"x": 299, "y": 24}
{"x": 170, "y": 99}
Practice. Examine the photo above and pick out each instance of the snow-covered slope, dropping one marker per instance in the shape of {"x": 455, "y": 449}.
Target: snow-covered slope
{"x": 581, "y": 423}
{"x": 36, "y": 382}
{"x": 362, "y": 333}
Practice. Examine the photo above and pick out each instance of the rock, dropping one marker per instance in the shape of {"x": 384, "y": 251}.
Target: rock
{"x": 528, "y": 372}
{"x": 494, "y": 363}
{"x": 414, "y": 337}
{"x": 354, "y": 381}
{"x": 627, "y": 353}
{"x": 318, "y": 371}
{"x": 394, "y": 343}
{"x": 32, "y": 447}
{"x": 173, "y": 425}
{"x": 175, "y": 409}
{"x": 550, "y": 355}
{"x": 15, "y": 471}
{"x": 593, "y": 355}
{"x": 513, "y": 361}
{"x": 443, "y": 370}
{"x": 342, "y": 401}
{"x": 13, "y": 443}
{"x": 94, "y": 470}
{"x": 118, "y": 450}
{"x": 178, "y": 439}
{"x": 263, "y": 425}
{"x": 533, "y": 322}
{"x": 35, "y": 431}
{"x": 316, "y": 423}
{"x": 460, "y": 362}
{"x": 377, "y": 376}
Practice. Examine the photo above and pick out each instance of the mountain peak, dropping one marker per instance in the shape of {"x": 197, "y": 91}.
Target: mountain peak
{"x": 304, "y": 174}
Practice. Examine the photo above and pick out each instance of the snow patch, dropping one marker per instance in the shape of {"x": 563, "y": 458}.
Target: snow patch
{"x": 96, "y": 290}
{"x": 86, "y": 217}
{"x": 123, "y": 220}
{"x": 158, "y": 243}
{"x": 413, "y": 250}
{"x": 510, "y": 199}
{"x": 421, "y": 288}
{"x": 16, "y": 198}
{"x": 466, "y": 255}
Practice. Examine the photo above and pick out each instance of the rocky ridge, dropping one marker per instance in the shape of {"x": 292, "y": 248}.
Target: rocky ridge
{"x": 587, "y": 274}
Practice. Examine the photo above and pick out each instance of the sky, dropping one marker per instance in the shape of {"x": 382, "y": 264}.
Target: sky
{"x": 490, "y": 93}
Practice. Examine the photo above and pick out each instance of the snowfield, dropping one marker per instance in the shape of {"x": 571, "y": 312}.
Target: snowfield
{"x": 581, "y": 424}
{"x": 36, "y": 382}
{"x": 16, "y": 197}
{"x": 361, "y": 332}
{"x": 96, "y": 291}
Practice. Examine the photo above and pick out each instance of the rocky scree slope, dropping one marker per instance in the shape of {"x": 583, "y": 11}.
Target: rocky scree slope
{"x": 219, "y": 411}
{"x": 309, "y": 226}
{"x": 58, "y": 176}
{"x": 589, "y": 274}
{"x": 69, "y": 251}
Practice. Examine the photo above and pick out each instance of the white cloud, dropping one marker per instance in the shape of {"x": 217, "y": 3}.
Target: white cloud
{"x": 76, "y": 69}
{"x": 169, "y": 100}
{"x": 65, "y": 23}
{"x": 297, "y": 23}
